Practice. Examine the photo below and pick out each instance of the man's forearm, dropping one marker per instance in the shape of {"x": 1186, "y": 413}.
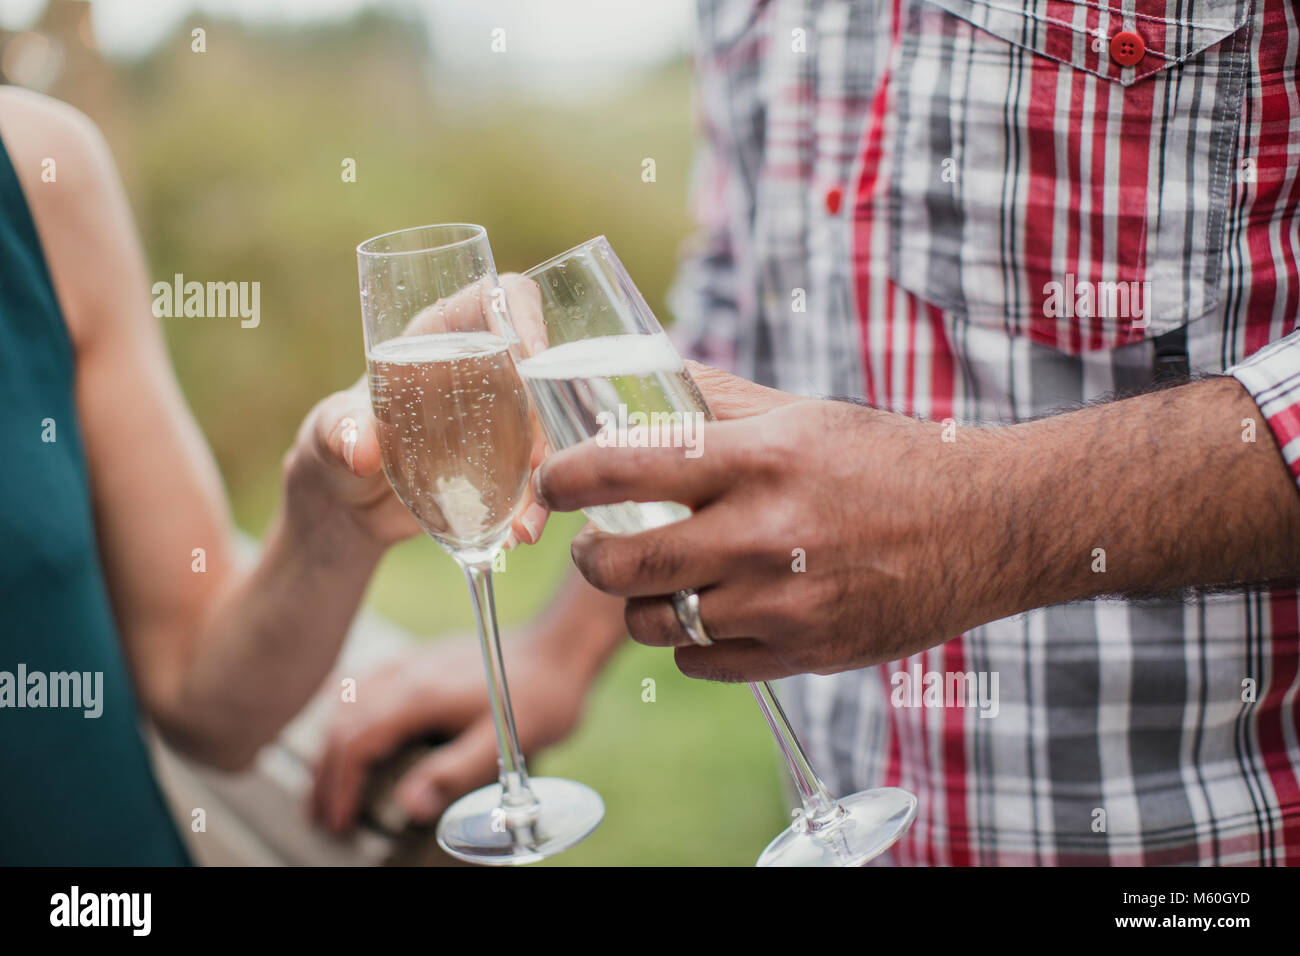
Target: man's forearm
{"x": 582, "y": 627}
{"x": 1158, "y": 492}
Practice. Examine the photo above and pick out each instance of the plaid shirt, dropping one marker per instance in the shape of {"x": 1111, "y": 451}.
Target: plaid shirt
{"x": 987, "y": 210}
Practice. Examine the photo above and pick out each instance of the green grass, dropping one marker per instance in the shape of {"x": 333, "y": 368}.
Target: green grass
{"x": 690, "y": 778}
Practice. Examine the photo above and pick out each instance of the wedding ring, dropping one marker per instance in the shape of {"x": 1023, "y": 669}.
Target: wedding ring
{"x": 687, "y": 605}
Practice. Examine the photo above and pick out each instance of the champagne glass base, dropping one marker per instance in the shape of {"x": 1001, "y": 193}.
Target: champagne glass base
{"x": 477, "y": 830}
{"x": 869, "y": 823}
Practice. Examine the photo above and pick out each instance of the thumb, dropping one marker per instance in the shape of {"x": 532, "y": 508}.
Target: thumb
{"x": 449, "y": 772}
{"x": 343, "y": 434}
{"x": 730, "y": 396}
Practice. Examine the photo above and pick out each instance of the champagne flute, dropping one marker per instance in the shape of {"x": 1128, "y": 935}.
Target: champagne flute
{"x": 591, "y": 352}
{"x": 456, "y": 435}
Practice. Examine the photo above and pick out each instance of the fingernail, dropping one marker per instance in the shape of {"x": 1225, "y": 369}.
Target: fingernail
{"x": 530, "y": 523}
{"x": 350, "y": 435}
{"x": 511, "y": 540}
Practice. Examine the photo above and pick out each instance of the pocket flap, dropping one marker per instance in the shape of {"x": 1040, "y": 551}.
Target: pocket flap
{"x": 1082, "y": 33}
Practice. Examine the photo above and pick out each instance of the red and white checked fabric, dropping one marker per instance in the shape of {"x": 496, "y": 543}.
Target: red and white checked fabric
{"x": 897, "y": 199}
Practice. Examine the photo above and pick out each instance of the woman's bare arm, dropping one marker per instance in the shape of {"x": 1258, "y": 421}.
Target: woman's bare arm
{"x": 220, "y": 659}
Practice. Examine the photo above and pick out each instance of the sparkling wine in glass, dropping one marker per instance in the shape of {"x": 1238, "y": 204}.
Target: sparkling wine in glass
{"x": 591, "y": 353}
{"x": 455, "y": 433}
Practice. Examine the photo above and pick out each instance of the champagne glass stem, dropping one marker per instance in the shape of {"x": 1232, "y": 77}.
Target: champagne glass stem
{"x": 819, "y": 806}
{"x": 516, "y": 794}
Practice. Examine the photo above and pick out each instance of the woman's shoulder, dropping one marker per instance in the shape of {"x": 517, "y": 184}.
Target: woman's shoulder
{"x": 71, "y": 185}
{"x": 37, "y": 128}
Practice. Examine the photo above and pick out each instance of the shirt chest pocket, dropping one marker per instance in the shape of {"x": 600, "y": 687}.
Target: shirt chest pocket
{"x": 1063, "y": 168}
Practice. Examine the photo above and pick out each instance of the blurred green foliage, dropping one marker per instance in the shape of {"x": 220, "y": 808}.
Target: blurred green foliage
{"x": 233, "y": 161}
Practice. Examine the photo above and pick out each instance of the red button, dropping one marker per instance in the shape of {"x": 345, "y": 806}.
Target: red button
{"x": 834, "y": 199}
{"x": 1127, "y": 47}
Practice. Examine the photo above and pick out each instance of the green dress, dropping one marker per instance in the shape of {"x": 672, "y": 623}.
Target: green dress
{"x": 74, "y": 789}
